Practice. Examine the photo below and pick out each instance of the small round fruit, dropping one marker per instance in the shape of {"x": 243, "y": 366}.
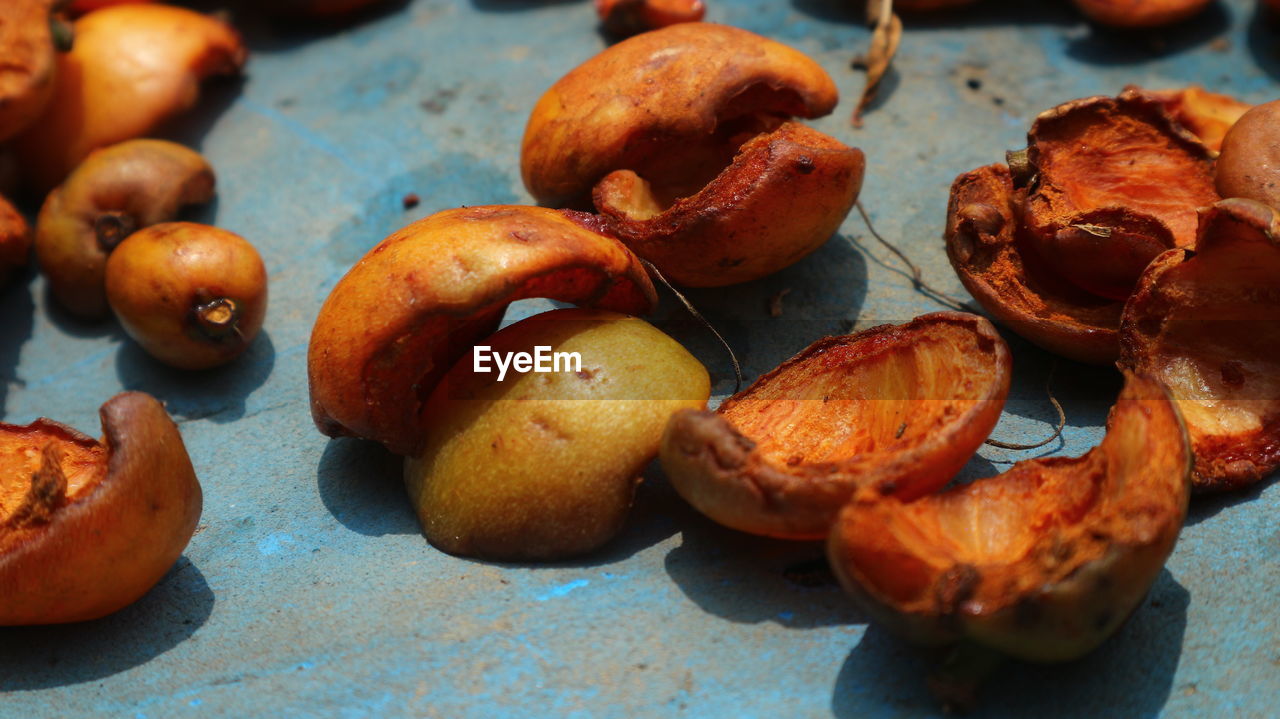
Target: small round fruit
{"x": 1249, "y": 165}
{"x": 192, "y": 295}
{"x": 540, "y": 466}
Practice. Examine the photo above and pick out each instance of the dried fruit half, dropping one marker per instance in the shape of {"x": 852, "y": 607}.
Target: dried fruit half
{"x": 1249, "y": 165}
{"x": 1140, "y": 13}
{"x": 779, "y": 187}
{"x": 88, "y": 526}
{"x": 422, "y": 297}
{"x": 114, "y": 192}
{"x": 628, "y": 17}
{"x": 15, "y": 240}
{"x": 1054, "y": 243}
{"x": 989, "y": 252}
{"x": 1042, "y": 562}
{"x": 27, "y": 63}
{"x": 544, "y": 465}
{"x": 132, "y": 67}
{"x": 1208, "y": 115}
{"x": 894, "y": 410}
{"x": 676, "y": 110}
{"x": 1207, "y": 324}
{"x": 1122, "y": 153}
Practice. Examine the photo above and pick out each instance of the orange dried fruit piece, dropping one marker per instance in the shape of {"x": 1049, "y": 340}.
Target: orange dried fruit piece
{"x": 1207, "y": 324}
{"x": 15, "y": 239}
{"x": 628, "y": 17}
{"x": 422, "y": 297}
{"x": 1208, "y": 115}
{"x": 990, "y": 254}
{"x": 27, "y": 63}
{"x": 1042, "y": 562}
{"x": 678, "y": 109}
{"x": 117, "y": 190}
{"x": 696, "y": 242}
{"x": 86, "y": 526}
{"x": 895, "y": 410}
{"x": 132, "y": 68}
{"x": 1140, "y": 13}
{"x": 1123, "y": 153}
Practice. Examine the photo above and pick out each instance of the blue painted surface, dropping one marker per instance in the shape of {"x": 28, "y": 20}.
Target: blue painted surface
{"x": 310, "y": 592}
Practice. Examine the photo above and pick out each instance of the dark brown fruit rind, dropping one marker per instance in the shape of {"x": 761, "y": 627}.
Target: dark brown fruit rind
{"x": 1207, "y": 324}
{"x": 1042, "y": 562}
{"x": 894, "y": 410}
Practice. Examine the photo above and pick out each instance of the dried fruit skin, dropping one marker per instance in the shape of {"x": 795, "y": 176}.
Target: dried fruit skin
{"x": 423, "y": 296}
{"x": 15, "y": 240}
{"x": 115, "y": 191}
{"x": 671, "y": 105}
{"x": 132, "y": 67}
{"x": 27, "y": 65}
{"x": 1205, "y": 323}
{"x": 1124, "y": 152}
{"x": 193, "y": 296}
{"x": 1140, "y": 13}
{"x": 105, "y": 520}
{"x": 1042, "y": 562}
{"x": 628, "y": 17}
{"x": 893, "y": 410}
{"x": 1249, "y": 165}
{"x": 544, "y": 465}
{"x": 990, "y": 255}
{"x": 1208, "y": 115}
{"x": 785, "y": 194}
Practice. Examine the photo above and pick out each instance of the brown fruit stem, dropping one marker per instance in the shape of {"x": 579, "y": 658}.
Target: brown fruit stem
{"x": 218, "y": 318}
{"x": 112, "y": 227}
{"x": 1019, "y": 167}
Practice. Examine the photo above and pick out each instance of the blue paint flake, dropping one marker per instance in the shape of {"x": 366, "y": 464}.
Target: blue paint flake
{"x": 562, "y": 590}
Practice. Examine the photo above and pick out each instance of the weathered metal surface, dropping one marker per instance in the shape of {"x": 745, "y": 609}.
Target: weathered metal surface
{"x": 309, "y": 590}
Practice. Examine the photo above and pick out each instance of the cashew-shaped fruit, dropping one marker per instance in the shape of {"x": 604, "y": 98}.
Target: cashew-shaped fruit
{"x": 114, "y": 192}
{"x": 86, "y": 526}
{"x": 896, "y": 410}
{"x": 132, "y": 67}
{"x": 422, "y": 297}
{"x": 1042, "y": 562}
{"x": 1207, "y": 324}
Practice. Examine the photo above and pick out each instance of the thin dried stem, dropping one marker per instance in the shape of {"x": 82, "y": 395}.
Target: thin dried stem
{"x": 737, "y": 368}
{"x": 1062, "y": 419}
{"x": 917, "y": 276}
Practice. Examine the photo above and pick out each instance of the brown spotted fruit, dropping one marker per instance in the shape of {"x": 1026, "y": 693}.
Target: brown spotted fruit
{"x": 15, "y": 240}
{"x": 895, "y": 410}
{"x": 421, "y": 298}
{"x": 1054, "y": 243}
{"x": 193, "y": 296}
{"x": 117, "y": 190}
{"x": 1249, "y": 165}
{"x": 1042, "y": 562}
{"x": 1206, "y": 322}
{"x": 88, "y": 526}
{"x": 1140, "y": 13}
{"x": 544, "y": 465}
{"x": 132, "y": 68}
{"x": 684, "y": 140}
{"x": 27, "y": 63}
